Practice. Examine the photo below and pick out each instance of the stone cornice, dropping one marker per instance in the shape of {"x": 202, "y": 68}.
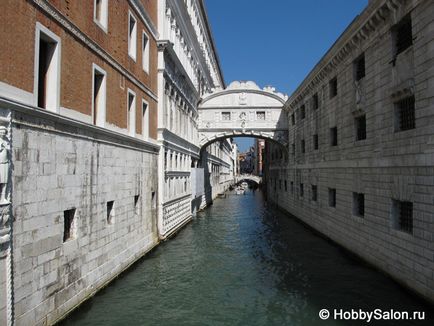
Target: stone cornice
{"x": 82, "y": 130}
{"x": 360, "y": 30}
{"x": 65, "y": 23}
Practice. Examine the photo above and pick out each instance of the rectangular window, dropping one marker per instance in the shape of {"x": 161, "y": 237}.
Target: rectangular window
{"x": 145, "y": 119}
{"x": 333, "y": 87}
{"x": 99, "y": 96}
{"x": 292, "y": 187}
{"x": 47, "y": 61}
{"x": 110, "y": 212}
{"x": 358, "y": 204}
{"x": 315, "y": 101}
{"x": 334, "y": 136}
{"x": 131, "y": 118}
{"x": 301, "y": 190}
{"x": 153, "y": 200}
{"x": 405, "y": 118}
{"x": 292, "y": 119}
{"x": 286, "y": 185}
{"x": 360, "y": 127}
{"x": 403, "y": 215}
{"x": 332, "y": 197}
{"x": 359, "y": 67}
{"x": 280, "y": 184}
{"x": 226, "y": 116}
{"x": 145, "y": 52}
{"x": 293, "y": 149}
{"x": 132, "y": 36}
{"x": 402, "y": 35}
{"x": 314, "y": 192}
{"x": 260, "y": 115}
{"x": 302, "y": 112}
{"x": 68, "y": 224}
{"x": 100, "y": 13}
{"x": 315, "y": 142}
{"x": 303, "y": 146}
{"x": 137, "y": 205}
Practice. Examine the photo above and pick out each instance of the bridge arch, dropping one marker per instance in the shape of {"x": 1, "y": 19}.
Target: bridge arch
{"x": 243, "y": 110}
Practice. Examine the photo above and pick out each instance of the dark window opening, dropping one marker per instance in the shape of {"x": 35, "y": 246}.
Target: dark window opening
{"x": 334, "y": 136}
{"x": 332, "y": 197}
{"x": 302, "y": 112}
{"x": 315, "y": 101}
{"x": 68, "y": 222}
{"x": 97, "y": 93}
{"x": 361, "y": 127}
{"x": 292, "y": 186}
{"x": 358, "y": 204}
{"x": 301, "y": 190}
{"x": 293, "y": 119}
{"x": 293, "y": 149}
{"x": 333, "y": 86}
{"x": 359, "y": 67}
{"x": 154, "y": 200}
{"x": 286, "y": 185}
{"x": 98, "y": 9}
{"x": 303, "y": 146}
{"x": 110, "y": 212}
{"x": 136, "y": 204}
{"x": 46, "y": 53}
{"x": 315, "y": 141}
{"x": 405, "y": 114}
{"x": 403, "y": 213}
{"x": 403, "y": 35}
{"x": 314, "y": 193}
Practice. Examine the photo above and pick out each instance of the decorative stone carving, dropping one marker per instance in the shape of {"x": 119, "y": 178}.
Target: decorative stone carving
{"x": 4, "y": 165}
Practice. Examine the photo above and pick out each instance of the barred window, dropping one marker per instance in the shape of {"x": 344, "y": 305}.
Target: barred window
{"x": 403, "y": 215}
{"x": 303, "y": 146}
{"x": 315, "y": 101}
{"x": 359, "y": 67}
{"x": 260, "y": 115}
{"x": 226, "y": 116}
{"x": 333, "y": 87}
{"x": 405, "y": 114}
{"x": 315, "y": 141}
{"x": 334, "y": 136}
{"x": 403, "y": 35}
{"x": 332, "y": 197}
{"x": 314, "y": 192}
{"x": 358, "y": 204}
{"x": 361, "y": 127}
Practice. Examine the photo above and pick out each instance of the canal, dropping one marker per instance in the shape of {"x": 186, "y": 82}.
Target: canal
{"x": 241, "y": 263}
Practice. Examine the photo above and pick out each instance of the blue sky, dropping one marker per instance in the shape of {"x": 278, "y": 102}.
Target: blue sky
{"x": 276, "y": 42}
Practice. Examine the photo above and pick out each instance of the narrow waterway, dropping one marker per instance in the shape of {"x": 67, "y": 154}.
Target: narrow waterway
{"x": 241, "y": 263}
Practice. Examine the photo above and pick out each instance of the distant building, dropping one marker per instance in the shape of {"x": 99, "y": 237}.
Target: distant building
{"x": 259, "y": 147}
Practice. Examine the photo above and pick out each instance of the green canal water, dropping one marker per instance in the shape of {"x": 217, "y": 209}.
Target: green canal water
{"x": 242, "y": 263}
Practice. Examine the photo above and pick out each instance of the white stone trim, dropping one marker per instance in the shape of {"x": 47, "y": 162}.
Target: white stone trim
{"x": 131, "y": 113}
{"x": 101, "y": 117}
{"x": 54, "y": 103}
{"x": 16, "y": 94}
{"x": 132, "y": 41}
{"x": 145, "y": 53}
{"x": 73, "y": 114}
{"x": 104, "y": 23}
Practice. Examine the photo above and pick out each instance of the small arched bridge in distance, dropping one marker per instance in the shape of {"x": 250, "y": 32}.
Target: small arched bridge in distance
{"x": 243, "y": 110}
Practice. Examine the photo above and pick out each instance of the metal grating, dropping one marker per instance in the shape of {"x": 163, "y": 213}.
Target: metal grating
{"x": 406, "y": 216}
{"x": 406, "y": 113}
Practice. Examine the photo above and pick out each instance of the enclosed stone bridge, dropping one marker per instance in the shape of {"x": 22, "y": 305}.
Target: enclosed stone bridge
{"x": 248, "y": 177}
{"x": 243, "y": 110}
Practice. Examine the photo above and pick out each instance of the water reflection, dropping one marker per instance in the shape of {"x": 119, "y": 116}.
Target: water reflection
{"x": 240, "y": 263}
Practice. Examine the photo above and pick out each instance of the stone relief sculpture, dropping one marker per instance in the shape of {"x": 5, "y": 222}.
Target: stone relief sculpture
{"x": 4, "y": 165}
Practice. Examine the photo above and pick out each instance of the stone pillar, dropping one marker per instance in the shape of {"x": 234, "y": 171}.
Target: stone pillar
{"x": 6, "y": 280}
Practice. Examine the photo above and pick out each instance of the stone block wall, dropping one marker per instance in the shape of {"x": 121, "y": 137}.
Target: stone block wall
{"x": 58, "y": 166}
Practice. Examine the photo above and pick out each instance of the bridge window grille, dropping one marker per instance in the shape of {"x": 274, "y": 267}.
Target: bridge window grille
{"x": 358, "y": 204}
{"x": 68, "y": 224}
{"x": 332, "y": 197}
{"x": 403, "y": 215}
{"x": 315, "y": 101}
{"x": 334, "y": 136}
{"x": 333, "y": 87}
{"x": 226, "y": 116}
{"x": 405, "y": 118}
{"x": 315, "y": 142}
{"x": 314, "y": 192}
{"x": 361, "y": 127}
{"x": 260, "y": 115}
{"x": 110, "y": 212}
{"x": 303, "y": 146}
{"x": 301, "y": 190}
{"x": 403, "y": 35}
{"x": 302, "y": 112}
